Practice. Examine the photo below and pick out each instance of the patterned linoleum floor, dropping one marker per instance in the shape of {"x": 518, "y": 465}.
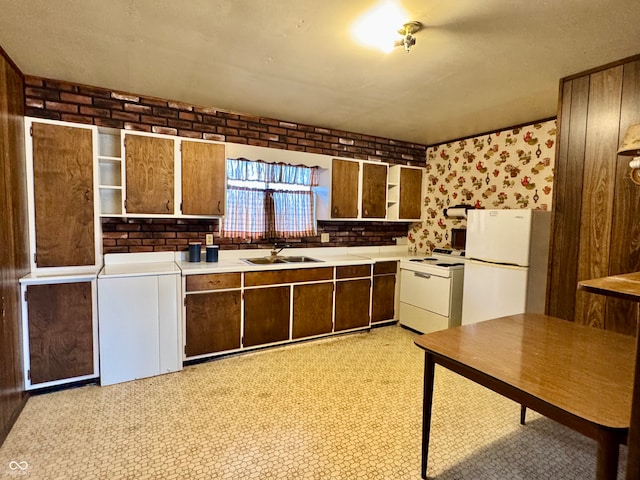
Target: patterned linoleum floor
{"x": 345, "y": 408}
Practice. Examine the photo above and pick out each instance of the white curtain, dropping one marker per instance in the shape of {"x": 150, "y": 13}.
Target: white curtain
{"x": 265, "y": 212}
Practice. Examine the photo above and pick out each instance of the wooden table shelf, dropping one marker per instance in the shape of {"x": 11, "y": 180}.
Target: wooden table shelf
{"x": 626, "y": 287}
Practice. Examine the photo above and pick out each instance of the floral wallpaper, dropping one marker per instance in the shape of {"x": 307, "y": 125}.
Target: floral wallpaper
{"x": 506, "y": 169}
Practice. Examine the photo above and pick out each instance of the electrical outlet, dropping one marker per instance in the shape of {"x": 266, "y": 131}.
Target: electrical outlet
{"x": 209, "y": 239}
{"x": 324, "y": 237}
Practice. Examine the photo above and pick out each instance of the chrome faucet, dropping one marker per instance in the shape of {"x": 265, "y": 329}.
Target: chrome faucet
{"x": 277, "y": 249}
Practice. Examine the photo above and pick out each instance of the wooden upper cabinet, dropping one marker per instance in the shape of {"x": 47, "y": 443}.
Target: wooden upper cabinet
{"x": 410, "y": 193}
{"x": 344, "y": 189}
{"x": 374, "y": 190}
{"x": 149, "y": 174}
{"x": 203, "y": 178}
{"x": 63, "y": 186}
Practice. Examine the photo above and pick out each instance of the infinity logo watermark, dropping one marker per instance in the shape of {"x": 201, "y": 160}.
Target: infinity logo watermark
{"x": 18, "y": 467}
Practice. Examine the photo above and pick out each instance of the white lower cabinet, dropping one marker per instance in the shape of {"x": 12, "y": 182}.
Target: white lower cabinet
{"x": 139, "y": 326}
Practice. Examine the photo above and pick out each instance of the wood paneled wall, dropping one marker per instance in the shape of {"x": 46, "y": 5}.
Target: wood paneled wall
{"x": 13, "y": 241}
{"x": 596, "y": 227}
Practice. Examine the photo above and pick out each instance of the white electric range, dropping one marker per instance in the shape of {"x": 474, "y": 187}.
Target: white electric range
{"x": 431, "y": 291}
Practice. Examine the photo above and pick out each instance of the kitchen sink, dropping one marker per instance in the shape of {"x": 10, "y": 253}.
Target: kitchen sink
{"x": 283, "y": 259}
{"x": 299, "y": 259}
{"x": 263, "y": 260}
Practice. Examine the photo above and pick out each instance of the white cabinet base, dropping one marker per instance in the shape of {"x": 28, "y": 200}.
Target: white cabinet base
{"x": 139, "y": 327}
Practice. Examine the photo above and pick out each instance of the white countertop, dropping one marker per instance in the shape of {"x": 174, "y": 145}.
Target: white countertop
{"x": 231, "y": 260}
{"x": 161, "y": 263}
{"x": 139, "y": 264}
{"x": 43, "y": 277}
{"x": 139, "y": 269}
{"x": 238, "y": 265}
{"x": 389, "y": 256}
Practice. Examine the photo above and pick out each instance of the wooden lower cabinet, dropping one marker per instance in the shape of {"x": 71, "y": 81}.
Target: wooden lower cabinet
{"x": 352, "y": 304}
{"x": 233, "y": 311}
{"x": 312, "y": 309}
{"x": 266, "y": 315}
{"x": 383, "y": 298}
{"x": 383, "y": 293}
{"x": 60, "y": 332}
{"x": 212, "y": 322}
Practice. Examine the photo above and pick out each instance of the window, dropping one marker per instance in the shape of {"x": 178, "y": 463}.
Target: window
{"x": 269, "y": 200}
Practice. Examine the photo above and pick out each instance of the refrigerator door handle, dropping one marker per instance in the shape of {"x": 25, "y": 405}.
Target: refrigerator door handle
{"x": 489, "y": 262}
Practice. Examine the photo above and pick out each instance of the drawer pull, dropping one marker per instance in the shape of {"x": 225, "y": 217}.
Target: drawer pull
{"x": 422, "y": 275}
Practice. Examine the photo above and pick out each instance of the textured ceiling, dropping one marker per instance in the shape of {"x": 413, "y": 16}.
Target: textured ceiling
{"x": 477, "y": 65}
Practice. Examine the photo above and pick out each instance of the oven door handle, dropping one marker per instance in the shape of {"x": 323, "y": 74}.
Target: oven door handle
{"x": 422, "y": 275}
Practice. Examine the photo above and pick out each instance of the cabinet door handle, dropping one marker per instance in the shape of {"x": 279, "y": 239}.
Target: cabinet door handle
{"x": 219, "y": 207}
{"x": 87, "y": 195}
{"x": 168, "y": 202}
{"x": 422, "y": 275}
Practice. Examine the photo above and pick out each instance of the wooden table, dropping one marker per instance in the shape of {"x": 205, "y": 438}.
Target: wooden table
{"x": 627, "y": 287}
{"x": 579, "y": 376}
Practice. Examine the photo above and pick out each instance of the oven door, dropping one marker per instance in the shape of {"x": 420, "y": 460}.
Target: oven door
{"x": 425, "y": 291}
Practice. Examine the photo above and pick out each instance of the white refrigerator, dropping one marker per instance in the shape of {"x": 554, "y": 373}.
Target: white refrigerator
{"x": 505, "y": 271}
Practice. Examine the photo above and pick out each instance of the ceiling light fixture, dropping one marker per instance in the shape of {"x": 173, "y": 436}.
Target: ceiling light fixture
{"x": 407, "y": 31}
{"x": 376, "y": 28}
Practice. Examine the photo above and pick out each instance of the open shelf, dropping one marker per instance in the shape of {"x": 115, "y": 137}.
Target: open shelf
{"x": 110, "y": 171}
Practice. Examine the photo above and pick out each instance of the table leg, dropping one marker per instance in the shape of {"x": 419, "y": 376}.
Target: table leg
{"x": 607, "y": 456}
{"x": 427, "y": 400}
{"x": 633, "y": 442}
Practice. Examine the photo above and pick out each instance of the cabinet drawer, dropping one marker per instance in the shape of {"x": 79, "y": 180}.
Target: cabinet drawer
{"x": 426, "y": 292}
{"x": 271, "y": 277}
{"x": 353, "y": 271}
{"x": 421, "y": 320}
{"x": 213, "y": 281}
{"x": 381, "y": 268}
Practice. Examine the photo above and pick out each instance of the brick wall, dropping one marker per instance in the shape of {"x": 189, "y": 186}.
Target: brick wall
{"x": 154, "y": 235}
{"x": 57, "y": 100}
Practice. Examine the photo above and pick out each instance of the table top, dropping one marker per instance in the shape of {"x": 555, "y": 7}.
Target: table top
{"x": 625, "y": 286}
{"x": 582, "y": 370}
